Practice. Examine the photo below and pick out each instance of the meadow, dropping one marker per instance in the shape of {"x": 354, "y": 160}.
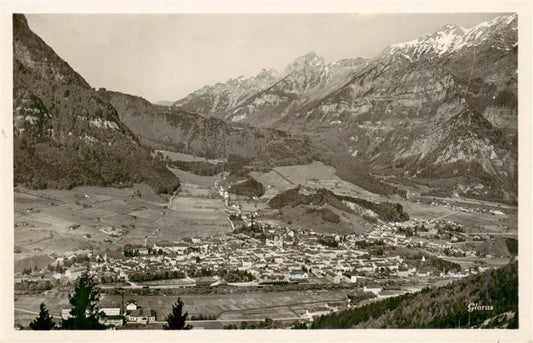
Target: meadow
{"x": 318, "y": 175}
{"x": 56, "y": 222}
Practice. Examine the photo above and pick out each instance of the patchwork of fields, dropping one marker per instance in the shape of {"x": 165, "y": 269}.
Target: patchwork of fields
{"x": 318, "y": 175}
{"x": 313, "y": 175}
{"x": 52, "y": 222}
{"x": 239, "y": 306}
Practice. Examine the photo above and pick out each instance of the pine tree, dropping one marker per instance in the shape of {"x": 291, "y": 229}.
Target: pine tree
{"x": 44, "y": 321}
{"x": 84, "y": 302}
{"x": 175, "y": 319}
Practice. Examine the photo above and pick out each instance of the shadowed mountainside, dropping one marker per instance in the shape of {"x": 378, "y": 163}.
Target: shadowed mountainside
{"x": 65, "y": 135}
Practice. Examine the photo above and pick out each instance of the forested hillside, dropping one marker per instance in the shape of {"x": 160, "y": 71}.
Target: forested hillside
{"x": 65, "y": 135}
{"x": 445, "y": 307}
{"x": 390, "y": 212}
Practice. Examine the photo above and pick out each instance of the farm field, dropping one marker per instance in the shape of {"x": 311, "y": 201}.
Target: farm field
{"x": 55, "y": 222}
{"x": 238, "y": 306}
{"x": 178, "y": 156}
{"x": 313, "y": 175}
{"x": 190, "y": 178}
{"x": 469, "y": 219}
{"x": 24, "y": 304}
{"x": 319, "y": 175}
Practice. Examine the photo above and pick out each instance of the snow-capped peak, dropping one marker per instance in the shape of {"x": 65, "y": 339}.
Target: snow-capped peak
{"x": 450, "y": 38}
{"x": 439, "y": 42}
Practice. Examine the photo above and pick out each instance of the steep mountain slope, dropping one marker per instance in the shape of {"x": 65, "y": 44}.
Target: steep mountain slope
{"x": 437, "y": 111}
{"x": 169, "y": 128}
{"x": 245, "y": 147}
{"x": 64, "y": 134}
{"x": 222, "y": 97}
{"x": 483, "y": 56}
{"x": 443, "y": 106}
{"x": 270, "y": 95}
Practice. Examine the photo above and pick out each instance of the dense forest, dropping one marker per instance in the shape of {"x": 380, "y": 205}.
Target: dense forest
{"x": 356, "y": 171}
{"x": 45, "y": 163}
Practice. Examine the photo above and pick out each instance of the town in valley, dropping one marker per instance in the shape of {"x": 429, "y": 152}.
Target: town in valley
{"x": 350, "y": 188}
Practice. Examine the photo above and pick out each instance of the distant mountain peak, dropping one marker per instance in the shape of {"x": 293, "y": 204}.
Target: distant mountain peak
{"x": 452, "y": 28}
{"x": 503, "y": 19}
{"x": 452, "y": 37}
{"x": 308, "y": 61}
{"x": 381, "y": 110}
{"x": 267, "y": 74}
{"x": 310, "y": 55}
{"x": 440, "y": 41}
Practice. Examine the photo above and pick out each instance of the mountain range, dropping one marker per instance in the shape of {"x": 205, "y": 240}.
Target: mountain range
{"x": 440, "y": 107}
{"x": 68, "y": 134}
{"x": 170, "y": 128}
{"x": 439, "y": 111}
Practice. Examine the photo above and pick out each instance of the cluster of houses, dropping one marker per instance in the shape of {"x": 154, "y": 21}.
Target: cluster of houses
{"x": 447, "y": 204}
{"x": 285, "y": 255}
{"x": 430, "y": 239}
{"x": 115, "y": 316}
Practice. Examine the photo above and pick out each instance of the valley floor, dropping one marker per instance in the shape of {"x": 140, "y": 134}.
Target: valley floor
{"x": 52, "y": 224}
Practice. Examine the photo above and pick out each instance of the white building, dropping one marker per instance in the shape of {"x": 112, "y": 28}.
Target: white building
{"x": 298, "y": 275}
{"x": 111, "y": 311}
{"x": 374, "y": 290}
{"x": 142, "y": 316}
{"x": 131, "y": 305}
{"x": 65, "y": 314}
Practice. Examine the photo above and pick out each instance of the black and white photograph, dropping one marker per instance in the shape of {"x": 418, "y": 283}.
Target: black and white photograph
{"x": 259, "y": 171}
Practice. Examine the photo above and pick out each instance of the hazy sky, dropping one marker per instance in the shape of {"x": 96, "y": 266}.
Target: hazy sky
{"x": 165, "y": 57}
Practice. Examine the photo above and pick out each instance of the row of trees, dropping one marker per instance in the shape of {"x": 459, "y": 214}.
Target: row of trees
{"x": 233, "y": 275}
{"x": 85, "y": 313}
{"x": 134, "y": 252}
{"x": 157, "y": 275}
